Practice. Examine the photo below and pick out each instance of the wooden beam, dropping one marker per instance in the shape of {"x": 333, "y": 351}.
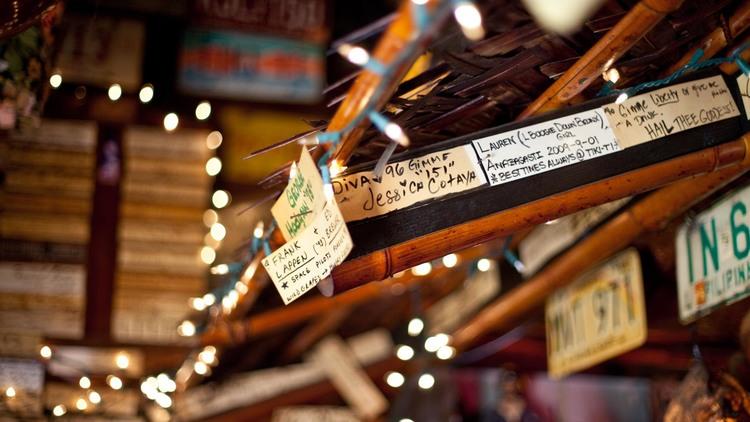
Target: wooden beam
{"x": 649, "y": 214}
{"x": 631, "y": 28}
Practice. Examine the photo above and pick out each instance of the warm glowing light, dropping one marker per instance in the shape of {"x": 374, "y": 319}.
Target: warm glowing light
{"x": 468, "y": 16}
{"x": 209, "y": 299}
{"x": 81, "y": 404}
{"x": 171, "y": 121}
{"x": 426, "y": 381}
{"x": 446, "y": 352}
{"x": 450, "y": 260}
{"x": 258, "y": 231}
{"x": 59, "y": 410}
{"x": 419, "y": 2}
{"x": 213, "y": 166}
{"x": 114, "y": 92}
{"x": 354, "y": 54}
{"x": 621, "y": 98}
{"x": 55, "y": 80}
{"x": 214, "y": 139}
{"x": 422, "y": 269}
{"x": 95, "y": 397}
{"x": 203, "y": 110}
{"x": 434, "y": 343}
{"x": 122, "y": 360}
{"x": 114, "y": 382}
{"x": 240, "y": 287}
{"x": 10, "y": 392}
{"x": 336, "y": 168}
{"x": 163, "y": 400}
{"x": 220, "y": 199}
{"x": 611, "y": 75}
{"x": 197, "y": 303}
{"x": 46, "y": 352}
{"x": 484, "y": 265}
{"x": 404, "y": 352}
{"x": 207, "y": 356}
{"x": 165, "y": 384}
{"x": 405, "y": 419}
{"x": 394, "y": 379}
{"x": 415, "y": 327}
{"x": 84, "y": 382}
{"x": 186, "y": 329}
{"x": 210, "y": 217}
{"x": 220, "y": 269}
{"x": 146, "y": 93}
{"x": 218, "y": 231}
{"x": 208, "y": 255}
{"x": 200, "y": 368}
{"x": 396, "y": 134}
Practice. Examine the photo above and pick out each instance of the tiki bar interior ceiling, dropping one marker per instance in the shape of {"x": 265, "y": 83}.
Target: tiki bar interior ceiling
{"x": 376, "y": 211}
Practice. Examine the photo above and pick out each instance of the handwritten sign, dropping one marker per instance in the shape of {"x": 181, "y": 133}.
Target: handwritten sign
{"x": 670, "y": 110}
{"x": 301, "y": 263}
{"x": 545, "y": 146}
{"x": 338, "y": 362}
{"x": 405, "y": 183}
{"x": 599, "y": 316}
{"x": 743, "y": 82}
{"x": 713, "y": 257}
{"x": 547, "y": 240}
{"x": 301, "y": 199}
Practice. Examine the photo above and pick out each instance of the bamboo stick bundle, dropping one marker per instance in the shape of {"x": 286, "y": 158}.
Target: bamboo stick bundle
{"x": 651, "y": 213}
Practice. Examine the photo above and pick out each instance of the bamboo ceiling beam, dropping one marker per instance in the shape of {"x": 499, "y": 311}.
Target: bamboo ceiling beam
{"x": 719, "y": 38}
{"x": 649, "y": 214}
{"x": 318, "y": 328}
{"x": 281, "y": 318}
{"x": 629, "y": 30}
{"x": 380, "y": 264}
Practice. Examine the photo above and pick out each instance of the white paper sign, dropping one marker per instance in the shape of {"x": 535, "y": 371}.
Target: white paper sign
{"x": 301, "y": 263}
{"x": 670, "y": 110}
{"x": 743, "y": 82}
{"x": 713, "y": 257}
{"x": 345, "y": 373}
{"x": 405, "y": 183}
{"x": 545, "y": 146}
{"x": 302, "y": 198}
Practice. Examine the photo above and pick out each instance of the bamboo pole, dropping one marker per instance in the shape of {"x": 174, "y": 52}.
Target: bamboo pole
{"x": 651, "y": 213}
{"x": 717, "y": 39}
{"x": 380, "y": 264}
{"x": 281, "y": 318}
{"x": 631, "y": 28}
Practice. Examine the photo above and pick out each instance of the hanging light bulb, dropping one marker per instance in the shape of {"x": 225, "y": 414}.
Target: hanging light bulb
{"x": 220, "y": 269}
{"x": 611, "y": 75}
{"x": 213, "y": 166}
{"x": 621, "y": 98}
{"x": 468, "y": 17}
{"x": 354, "y": 54}
{"x": 336, "y": 168}
{"x": 197, "y": 303}
{"x": 446, "y": 352}
{"x": 203, "y": 110}
{"x": 258, "y": 231}
{"x": 484, "y": 265}
{"x": 55, "y": 80}
{"x": 59, "y": 410}
{"x": 415, "y": 327}
{"x": 390, "y": 129}
{"x": 394, "y": 379}
{"x": 186, "y": 329}
{"x": 208, "y": 255}
{"x": 114, "y": 382}
{"x": 214, "y": 140}
{"x": 426, "y": 381}
{"x": 218, "y": 231}
{"x": 84, "y": 382}
{"x": 450, "y": 260}
{"x": 114, "y": 92}
{"x": 422, "y": 269}
{"x": 122, "y": 360}
{"x": 146, "y": 93}
{"x": 220, "y": 199}
{"x": 404, "y": 352}
{"x": 171, "y": 121}
{"x": 81, "y": 404}
{"x": 10, "y": 392}
{"x": 209, "y": 299}
{"x": 200, "y": 368}
{"x": 45, "y": 351}
{"x": 95, "y": 397}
